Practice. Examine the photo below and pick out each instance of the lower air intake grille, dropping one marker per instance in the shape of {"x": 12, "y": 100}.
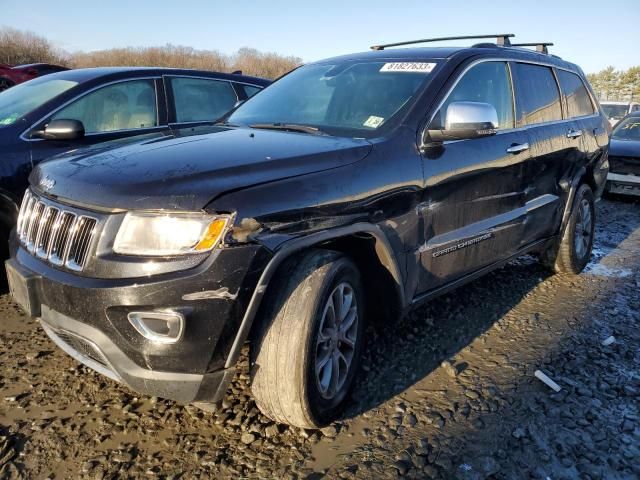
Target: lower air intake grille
{"x": 81, "y": 346}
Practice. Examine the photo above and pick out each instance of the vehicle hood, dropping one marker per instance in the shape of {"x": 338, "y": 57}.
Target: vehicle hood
{"x": 185, "y": 171}
{"x": 624, "y": 148}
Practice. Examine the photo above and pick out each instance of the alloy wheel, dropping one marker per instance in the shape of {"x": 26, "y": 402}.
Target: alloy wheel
{"x": 337, "y": 337}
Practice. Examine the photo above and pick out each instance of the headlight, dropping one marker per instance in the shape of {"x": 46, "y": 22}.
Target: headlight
{"x": 156, "y": 234}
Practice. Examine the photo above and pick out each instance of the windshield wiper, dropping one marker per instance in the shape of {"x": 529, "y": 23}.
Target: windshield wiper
{"x": 291, "y": 127}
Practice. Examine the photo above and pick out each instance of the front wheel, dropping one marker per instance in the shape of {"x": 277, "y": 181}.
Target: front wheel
{"x": 574, "y": 251}
{"x": 306, "y": 353}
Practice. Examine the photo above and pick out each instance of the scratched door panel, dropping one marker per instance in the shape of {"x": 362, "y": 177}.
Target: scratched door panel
{"x": 474, "y": 207}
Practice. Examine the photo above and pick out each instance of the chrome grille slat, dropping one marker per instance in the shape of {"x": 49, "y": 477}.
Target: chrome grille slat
{"x": 55, "y": 234}
{"x": 59, "y": 244}
{"x": 34, "y": 226}
{"x": 23, "y": 209}
{"x": 44, "y": 235}
{"x": 80, "y": 242}
{"x": 26, "y": 221}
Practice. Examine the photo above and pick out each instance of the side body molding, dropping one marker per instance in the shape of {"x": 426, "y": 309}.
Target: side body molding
{"x": 383, "y": 250}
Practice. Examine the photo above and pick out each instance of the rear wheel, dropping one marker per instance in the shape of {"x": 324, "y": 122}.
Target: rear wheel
{"x": 574, "y": 251}
{"x": 306, "y": 353}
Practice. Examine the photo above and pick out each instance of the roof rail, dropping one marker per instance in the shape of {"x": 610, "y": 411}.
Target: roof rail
{"x": 501, "y": 39}
{"x": 541, "y": 47}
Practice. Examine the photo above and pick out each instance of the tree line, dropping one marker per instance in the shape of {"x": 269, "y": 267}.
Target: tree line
{"x": 19, "y": 47}
{"x": 612, "y": 84}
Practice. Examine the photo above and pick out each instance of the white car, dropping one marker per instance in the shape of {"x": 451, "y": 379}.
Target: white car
{"x": 615, "y": 111}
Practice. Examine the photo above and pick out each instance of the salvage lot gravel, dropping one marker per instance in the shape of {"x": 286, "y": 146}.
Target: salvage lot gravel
{"x": 449, "y": 392}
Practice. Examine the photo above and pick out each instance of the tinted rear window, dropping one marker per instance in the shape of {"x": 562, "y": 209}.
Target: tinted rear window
{"x": 575, "y": 94}
{"x": 539, "y": 98}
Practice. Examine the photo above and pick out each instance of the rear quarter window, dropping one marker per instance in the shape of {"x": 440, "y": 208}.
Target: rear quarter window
{"x": 575, "y": 94}
{"x": 538, "y": 94}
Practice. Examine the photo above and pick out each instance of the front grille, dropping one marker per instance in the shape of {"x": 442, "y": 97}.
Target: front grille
{"x": 82, "y": 346}
{"x": 624, "y": 165}
{"x": 54, "y": 234}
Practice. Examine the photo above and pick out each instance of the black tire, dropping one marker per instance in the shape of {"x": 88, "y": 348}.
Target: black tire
{"x": 573, "y": 252}
{"x": 287, "y": 344}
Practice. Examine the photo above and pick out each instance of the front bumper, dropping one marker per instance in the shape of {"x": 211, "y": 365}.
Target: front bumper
{"x": 623, "y": 184}
{"x": 87, "y": 318}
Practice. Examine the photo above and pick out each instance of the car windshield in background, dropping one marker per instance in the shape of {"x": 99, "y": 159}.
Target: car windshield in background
{"x": 628, "y": 129}
{"x": 615, "y": 111}
{"x": 18, "y": 101}
{"x": 345, "y": 99}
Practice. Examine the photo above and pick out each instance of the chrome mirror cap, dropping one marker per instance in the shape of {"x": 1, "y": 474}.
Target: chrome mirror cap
{"x": 471, "y": 116}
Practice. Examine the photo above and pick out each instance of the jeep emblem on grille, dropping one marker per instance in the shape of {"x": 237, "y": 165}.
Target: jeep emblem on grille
{"x": 47, "y": 183}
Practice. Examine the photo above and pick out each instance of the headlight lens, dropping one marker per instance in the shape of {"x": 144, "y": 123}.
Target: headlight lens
{"x": 154, "y": 234}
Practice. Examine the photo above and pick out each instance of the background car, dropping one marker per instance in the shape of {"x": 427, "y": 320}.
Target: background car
{"x": 615, "y": 111}
{"x": 10, "y": 75}
{"x": 624, "y": 157}
{"x": 75, "y": 108}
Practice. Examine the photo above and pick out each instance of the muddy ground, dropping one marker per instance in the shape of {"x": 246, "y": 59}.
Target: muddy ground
{"x": 448, "y": 393}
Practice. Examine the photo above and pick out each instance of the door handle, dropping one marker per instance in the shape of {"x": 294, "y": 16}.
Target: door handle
{"x": 518, "y": 148}
{"x": 574, "y": 133}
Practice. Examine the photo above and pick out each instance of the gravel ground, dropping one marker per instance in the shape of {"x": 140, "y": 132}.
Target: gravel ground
{"x": 451, "y": 393}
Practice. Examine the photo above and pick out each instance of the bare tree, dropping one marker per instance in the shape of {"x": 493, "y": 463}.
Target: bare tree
{"x": 18, "y": 47}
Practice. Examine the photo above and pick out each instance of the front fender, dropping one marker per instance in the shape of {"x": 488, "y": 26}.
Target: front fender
{"x": 383, "y": 250}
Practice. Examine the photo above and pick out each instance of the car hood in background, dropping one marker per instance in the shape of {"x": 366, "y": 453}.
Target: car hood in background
{"x": 624, "y": 148}
{"x": 185, "y": 171}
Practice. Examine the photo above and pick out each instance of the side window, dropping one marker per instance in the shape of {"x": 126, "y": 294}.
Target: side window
{"x": 201, "y": 100}
{"x": 121, "y": 106}
{"x": 487, "y": 82}
{"x": 250, "y": 90}
{"x": 538, "y": 95}
{"x": 575, "y": 94}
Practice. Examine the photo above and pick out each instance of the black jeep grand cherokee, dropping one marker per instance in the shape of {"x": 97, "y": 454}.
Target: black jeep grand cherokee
{"x": 351, "y": 187}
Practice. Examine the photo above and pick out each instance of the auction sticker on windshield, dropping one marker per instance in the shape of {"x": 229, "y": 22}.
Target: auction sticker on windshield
{"x": 409, "y": 67}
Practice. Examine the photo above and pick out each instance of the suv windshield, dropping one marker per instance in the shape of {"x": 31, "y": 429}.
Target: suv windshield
{"x": 628, "y": 129}
{"x": 343, "y": 99}
{"x": 615, "y": 111}
{"x": 18, "y": 101}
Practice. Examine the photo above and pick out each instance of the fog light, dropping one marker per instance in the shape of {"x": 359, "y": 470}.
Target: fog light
{"x": 159, "y": 327}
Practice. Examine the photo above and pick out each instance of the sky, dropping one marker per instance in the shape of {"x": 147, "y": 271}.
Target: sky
{"x": 583, "y": 31}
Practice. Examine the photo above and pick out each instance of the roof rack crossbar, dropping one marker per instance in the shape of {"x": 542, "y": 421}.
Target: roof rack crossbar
{"x": 540, "y": 46}
{"x": 501, "y": 39}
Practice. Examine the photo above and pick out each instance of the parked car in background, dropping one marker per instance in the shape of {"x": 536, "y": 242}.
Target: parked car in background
{"x": 10, "y": 75}
{"x": 624, "y": 157}
{"x": 76, "y": 108}
{"x": 615, "y": 111}
{"x": 353, "y": 187}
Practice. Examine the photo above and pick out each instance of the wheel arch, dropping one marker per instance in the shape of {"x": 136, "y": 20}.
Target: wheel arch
{"x": 360, "y": 241}
{"x": 9, "y": 210}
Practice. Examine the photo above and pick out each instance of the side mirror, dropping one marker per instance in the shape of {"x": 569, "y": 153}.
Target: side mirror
{"x": 464, "y": 120}
{"x": 63, "y": 129}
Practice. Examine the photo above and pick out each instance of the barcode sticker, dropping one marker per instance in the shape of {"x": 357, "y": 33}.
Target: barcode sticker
{"x": 409, "y": 67}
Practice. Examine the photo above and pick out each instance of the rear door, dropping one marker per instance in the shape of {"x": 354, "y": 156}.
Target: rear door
{"x": 556, "y": 148}
{"x": 198, "y": 100}
{"x": 117, "y": 110}
{"x": 473, "y": 209}
{"x": 581, "y": 109}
